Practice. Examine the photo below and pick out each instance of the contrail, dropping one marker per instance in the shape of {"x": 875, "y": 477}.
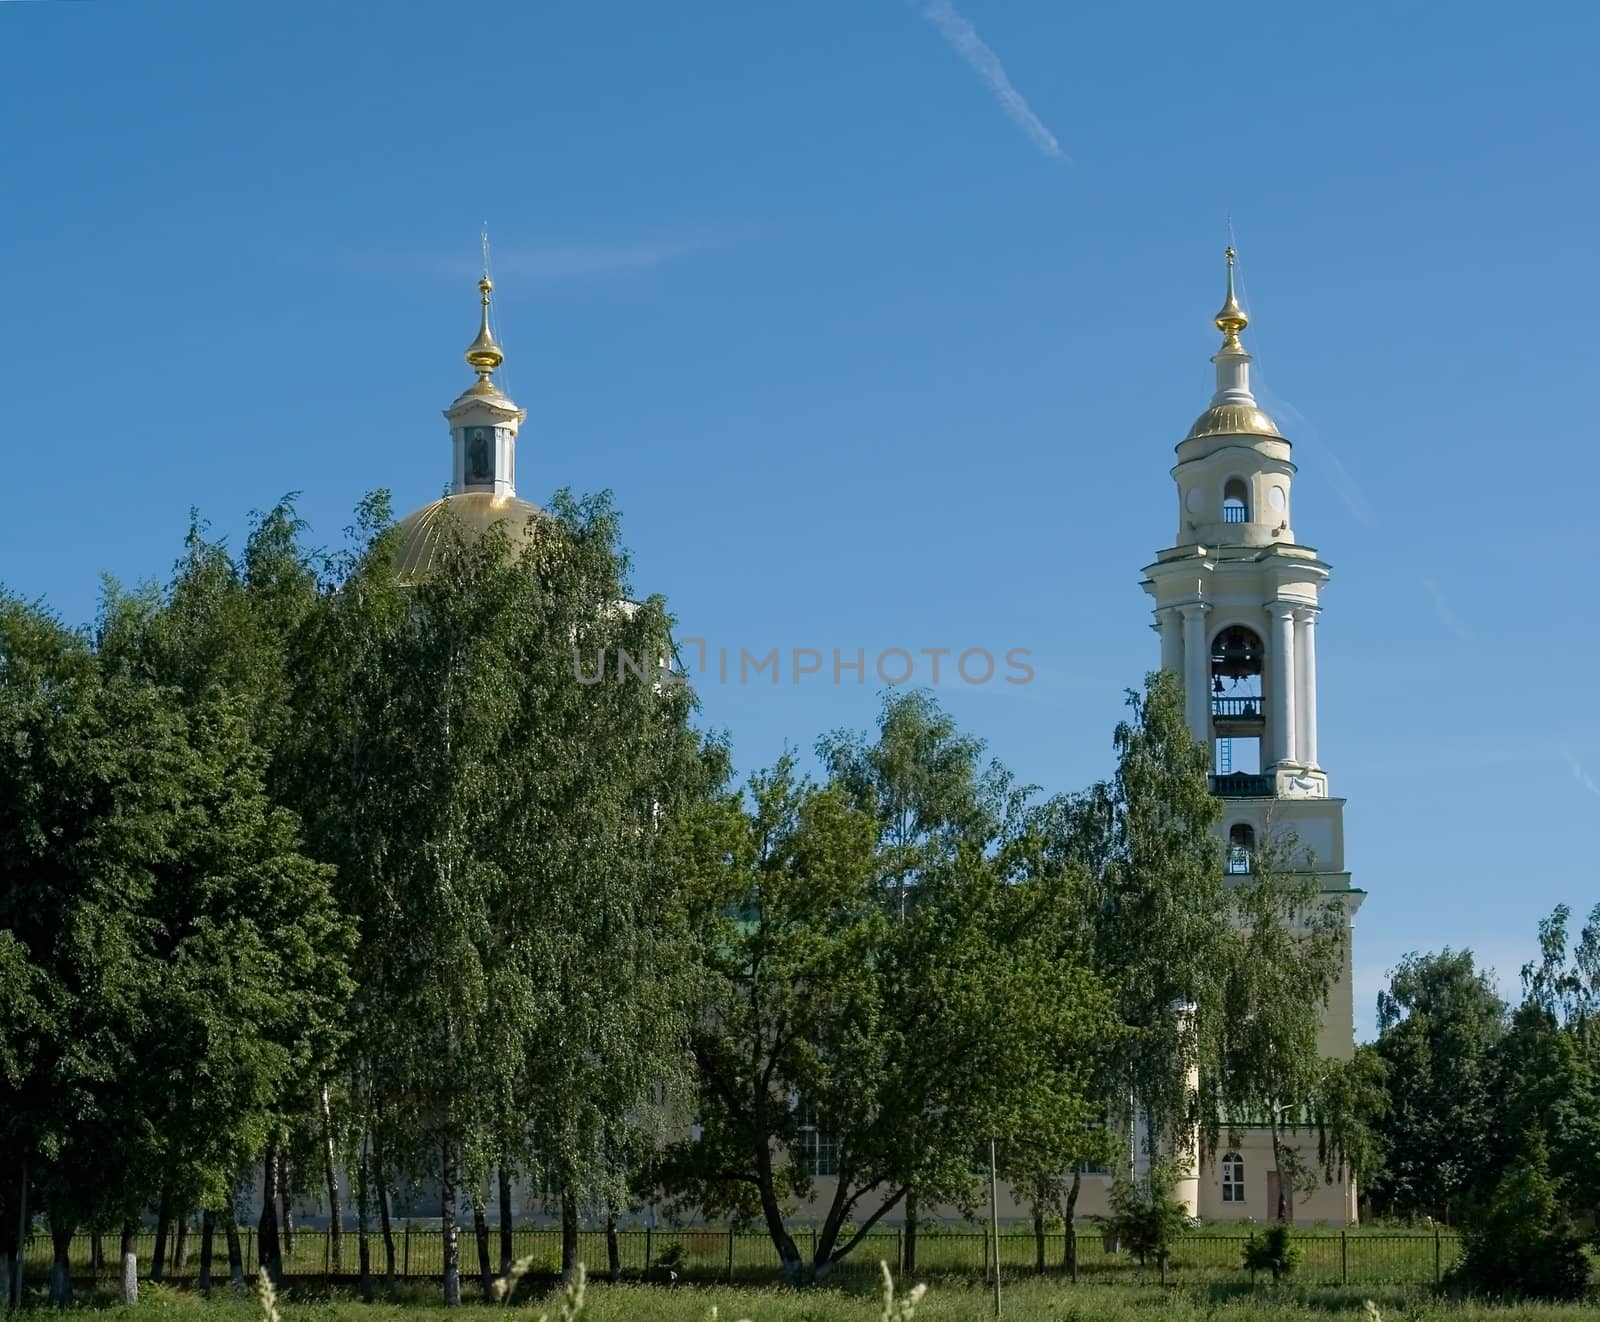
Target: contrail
{"x": 1580, "y": 775}
{"x": 970, "y": 46}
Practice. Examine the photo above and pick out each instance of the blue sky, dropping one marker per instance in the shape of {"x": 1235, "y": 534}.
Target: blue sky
{"x": 880, "y": 319}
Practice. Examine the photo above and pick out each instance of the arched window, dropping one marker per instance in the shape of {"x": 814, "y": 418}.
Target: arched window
{"x": 1241, "y": 847}
{"x": 1233, "y": 1178}
{"x": 1235, "y": 501}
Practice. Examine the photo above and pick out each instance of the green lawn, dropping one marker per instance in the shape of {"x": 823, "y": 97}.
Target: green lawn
{"x": 1026, "y": 1300}
{"x": 1211, "y": 1255}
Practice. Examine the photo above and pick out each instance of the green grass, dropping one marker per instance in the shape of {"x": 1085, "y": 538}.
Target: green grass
{"x": 1210, "y": 1255}
{"x": 1026, "y": 1300}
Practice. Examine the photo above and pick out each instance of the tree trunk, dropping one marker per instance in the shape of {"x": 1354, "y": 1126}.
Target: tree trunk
{"x": 506, "y": 1248}
{"x": 1284, "y": 1211}
{"x": 285, "y": 1195}
{"x": 480, "y": 1232}
{"x": 235, "y": 1252}
{"x": 130, "y": 1263}
{"x": 450, "y": 1239}
{"x": 909, "y": 1257}
{"x": 772, "y": 1212}
{"x": 1069, "y": 1251}
{"x": 331, "y": 1175}
{"x": 383, "y": 1220}
{"x": 569, "y": 1234}
{"x": 180, "y": 1250}
{"x": 1038, "y": 1238}
{"x": 613, "y": 1248}
{"x": 271, "y": 1249}
{"x": 363, "y": 1192}
{"x": 61, "y": 1264}
{"x": 19, "y": 1253}
{"x": 158, "y": 1255}
{"x": 97, "y": 1253}
{"x": 208, "y": 1240}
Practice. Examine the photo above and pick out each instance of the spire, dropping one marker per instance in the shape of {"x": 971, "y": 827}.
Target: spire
{"x": 483, "y": 354}
{"x": 1231, "y": 320}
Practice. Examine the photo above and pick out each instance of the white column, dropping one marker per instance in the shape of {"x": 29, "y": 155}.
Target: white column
{"x": 1283, "y": 677}
{"x": 1305, "y": 656}
{"x": 1197, "y": 672}
{"x": 1169, "y": 624}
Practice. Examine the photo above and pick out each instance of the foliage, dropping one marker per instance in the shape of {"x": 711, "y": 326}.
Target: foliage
{"x": 1273, "y": 1250}
{"x": 1152, "y": 915}
{"x": 182, "y": 951}
{"x": 869, "y": 960}
{"x": 1145, "y": 1219}
{"x": 498, "y": 826}
{"x": 1439, "y": 1022}
{"x": 1289, "y": 952}
{"x": 1521, "y": 1243}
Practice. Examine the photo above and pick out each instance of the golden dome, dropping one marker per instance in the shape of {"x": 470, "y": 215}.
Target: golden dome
{"x": 423, "y": 536}
{"x": 1234, "y": 420}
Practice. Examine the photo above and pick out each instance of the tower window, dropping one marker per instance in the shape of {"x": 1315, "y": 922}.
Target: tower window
{"x": 1236, "y": 501}
{"x": 1241, "y": 848}
{"x": 1233, "y": 1178}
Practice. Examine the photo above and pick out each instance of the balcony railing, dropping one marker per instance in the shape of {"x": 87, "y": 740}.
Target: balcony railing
{"x": 1236, "y": 708}
{"x": 1242, "y": 785}
{"x": 1235, "y": 514}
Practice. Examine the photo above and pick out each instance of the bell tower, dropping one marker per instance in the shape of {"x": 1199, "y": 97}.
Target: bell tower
{"x": 1237, "y": 599}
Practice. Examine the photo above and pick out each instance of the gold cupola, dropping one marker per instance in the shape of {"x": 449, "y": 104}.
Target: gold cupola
{"x": 1233, "y": 411}
{"x": 483, "y": 354}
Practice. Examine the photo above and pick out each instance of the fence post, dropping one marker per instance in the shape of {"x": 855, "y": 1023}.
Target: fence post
{"x": 986, "y": 1254}
{"x": 1344, "y": 1257}
{"x": 327, "y": 1254}
{"x": 730, "y": 1253}
{"x": 899, "y": 1250}
{"x": 1436, "y": 1275}
{"x": 647, "y": 1248}
{"x": 405, "y": 1267}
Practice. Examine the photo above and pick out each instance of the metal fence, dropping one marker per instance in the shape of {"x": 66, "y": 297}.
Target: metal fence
{"x": 713, "y": 1253}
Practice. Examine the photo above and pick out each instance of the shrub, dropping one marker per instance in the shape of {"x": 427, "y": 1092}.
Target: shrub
{"x": 1522, "y": 1244}
{"x": 1273, "y": 1251}
{"x": 1144, "y": 1218}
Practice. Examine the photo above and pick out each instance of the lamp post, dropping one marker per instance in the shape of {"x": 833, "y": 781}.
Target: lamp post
{"x": 994, "y": 1221}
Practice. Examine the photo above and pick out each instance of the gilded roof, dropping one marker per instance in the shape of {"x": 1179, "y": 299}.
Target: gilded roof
{"x": 1233, "y": 420}
{"x": 422, "y": 536}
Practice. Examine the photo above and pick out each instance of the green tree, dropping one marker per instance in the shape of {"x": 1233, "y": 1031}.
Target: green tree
{"x": 1439, "y": 1022}
{"x": 927, "y": 787}
{"x": 1155, "y": 921}
{"x": 497, "y": 821}
{"x": 873, "y": 995}
{"x": 180, "y": 933}
{"x": 1287, "y": 955}
{"x": 229, "y": 624}
{"x": 1520, "y": 1243}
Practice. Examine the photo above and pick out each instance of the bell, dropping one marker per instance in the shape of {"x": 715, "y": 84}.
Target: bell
{"x": 1217, "y": 687}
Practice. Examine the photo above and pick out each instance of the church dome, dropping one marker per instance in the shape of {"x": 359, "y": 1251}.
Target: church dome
{"x": 1233, "y": 420}
{"x": 422, "y": 537}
